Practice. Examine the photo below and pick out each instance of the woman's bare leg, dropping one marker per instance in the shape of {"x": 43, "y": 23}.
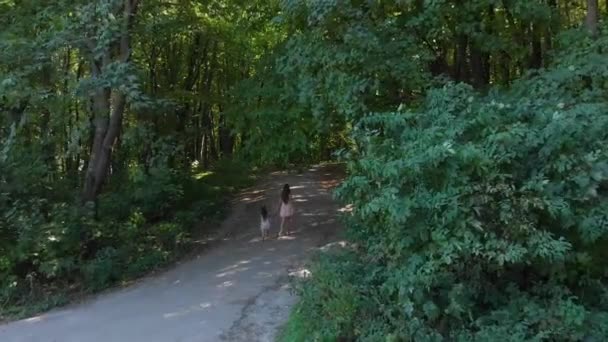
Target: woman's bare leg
{"x": 289, "y": 224}
{"x": 282, "y": 226}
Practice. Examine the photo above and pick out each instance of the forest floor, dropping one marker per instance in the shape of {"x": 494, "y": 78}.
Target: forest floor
{"x": 237, "y": 289}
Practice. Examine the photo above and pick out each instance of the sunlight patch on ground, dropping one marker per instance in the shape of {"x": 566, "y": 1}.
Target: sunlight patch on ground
{"x": 259, "y": 239}
{"x": 232, "y": 272}
{"x": 240, "y": 263}
{"x": 35, "y": 319}
{"x": 346, "y": 209}
{"x": 337, "y": 245}
{"x": 301, "y": 273}
{"x": 253, "y": 199}
{"x": 314, "y": 214}
{"x": 200, "y": 307}
{"x": 201, "y": 175}
{"x": 226, "y": 284}
{"x": 329, "y": 184}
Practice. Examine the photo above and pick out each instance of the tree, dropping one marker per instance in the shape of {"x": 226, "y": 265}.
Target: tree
{"x": 592, "y": 17}
{"x": 109, "y": 101}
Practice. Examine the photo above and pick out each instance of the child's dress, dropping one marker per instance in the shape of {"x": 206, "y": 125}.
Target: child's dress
{"x": 265, "y": 225}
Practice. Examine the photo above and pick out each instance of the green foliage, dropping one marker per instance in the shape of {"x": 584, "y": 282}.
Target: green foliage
{"x": 479, "y": 218}
{"x": 479, "y": 209}
{"x": 48, "y": 246}
{"x": 335, "y": 292}
{"x": 61, "y": 75}
{"x": 103, "y": 269}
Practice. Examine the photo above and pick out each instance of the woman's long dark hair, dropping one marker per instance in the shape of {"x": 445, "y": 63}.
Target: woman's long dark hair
{"x": 285, "y": 194}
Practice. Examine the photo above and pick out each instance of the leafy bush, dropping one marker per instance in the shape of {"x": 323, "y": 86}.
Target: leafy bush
{"x": 167, "y": 235}
{"x": 333, "y": 296}
{"x": 144, "y": 262}
{"x": 103, "y": 270}
{"x": 480, "y": 218}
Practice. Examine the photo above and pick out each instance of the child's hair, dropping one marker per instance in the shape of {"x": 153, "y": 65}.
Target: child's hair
{"x": 264, "y": 212}
{"x": 285, "y": 194}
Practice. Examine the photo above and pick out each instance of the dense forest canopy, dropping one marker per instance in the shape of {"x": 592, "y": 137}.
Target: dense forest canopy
{"x": 474, "y": 131}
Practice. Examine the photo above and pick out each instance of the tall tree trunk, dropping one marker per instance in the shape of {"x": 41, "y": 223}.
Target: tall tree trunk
{"x": 106, "y": 132}
{"x": 536, "y": 53}
{"x": 208, "y": 143}
{"x": 505, "y": 67}
{"x": 461, "y": 72}
{"x": 225, "y": 135}
{"x": 567, "y": 17}
{"x": 591, "y": 21}
{"x": 553, "y": 27}
{"x": 197, "y": 58}
{"x": 478, "y": 72}
{"x": 439, "y": 66}
{"x": 486, "y": 56}
{"x": 108, "y": 109}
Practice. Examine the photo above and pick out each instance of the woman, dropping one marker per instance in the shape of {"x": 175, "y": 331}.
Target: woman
{"x": 286, "y": 210}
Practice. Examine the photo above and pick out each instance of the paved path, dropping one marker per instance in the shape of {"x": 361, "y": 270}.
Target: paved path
{"x": 237, "y": 290}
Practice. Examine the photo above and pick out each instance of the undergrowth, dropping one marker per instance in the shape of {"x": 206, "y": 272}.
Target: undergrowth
{"x": 62, "y": 252}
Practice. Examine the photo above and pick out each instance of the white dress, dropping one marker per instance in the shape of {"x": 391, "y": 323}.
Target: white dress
{"x": 287, "y": 210}
{"x": 264, "y": 225}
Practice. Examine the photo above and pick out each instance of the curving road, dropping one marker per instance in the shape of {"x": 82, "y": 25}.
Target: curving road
{"x": 236, "y": 290}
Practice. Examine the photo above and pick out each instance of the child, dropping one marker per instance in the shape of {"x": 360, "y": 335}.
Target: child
{"x": 264, "y": 223}
{"x": 286, "y": 209}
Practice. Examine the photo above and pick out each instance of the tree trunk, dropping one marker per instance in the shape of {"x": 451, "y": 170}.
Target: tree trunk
{"x": 226, "y": 137}
{"x": 505, "y": 67}
{"x": 461, "y": 72}
{"x": 108, "y": 110}
{"x": 439, "y": 66}
{"x": 46, "y": 131}
{"x": 591, "y": 21}
{"x": 106, "y": 132}
{"x": 552, "y": 29}
{"x": 478, "y": 72}
{"x": 536, "y": 53}
{"x": 208, "y": 141}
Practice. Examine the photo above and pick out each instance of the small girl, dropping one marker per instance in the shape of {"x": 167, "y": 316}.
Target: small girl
{"x": 264, "y": 223}
{"x": 286, "y": 210}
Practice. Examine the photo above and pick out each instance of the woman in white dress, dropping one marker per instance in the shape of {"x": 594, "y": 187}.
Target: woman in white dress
{"x": 286, "y": 210}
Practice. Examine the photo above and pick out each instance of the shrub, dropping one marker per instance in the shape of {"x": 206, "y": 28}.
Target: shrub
{"x": 481, "y": 218}
{"x": 104, "y": 269}
{"x": 167, "y": 235}
{"x": 332, "y": 299}
{"x": 144, "y": 262}
{"x": 156, "y": 193}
